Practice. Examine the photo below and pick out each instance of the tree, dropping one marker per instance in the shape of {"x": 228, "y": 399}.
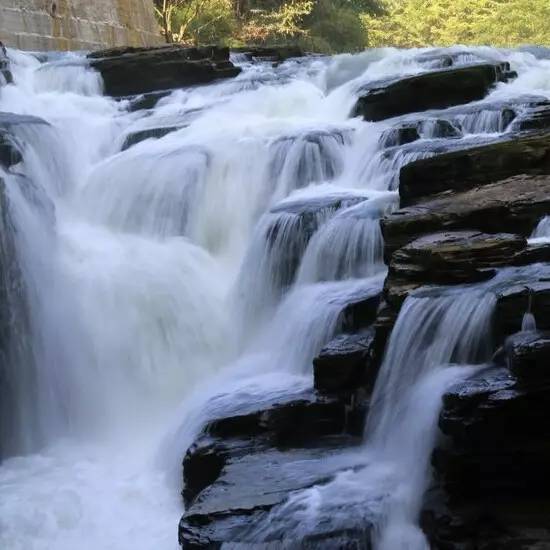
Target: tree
{"x": 194, "y": 20}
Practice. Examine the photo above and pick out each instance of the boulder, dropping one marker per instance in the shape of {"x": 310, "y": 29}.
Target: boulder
{"x": 528, "y": 356}
{"x": 133, "y": 71}
{"x": 432, "y": 90}
{"x": 343, "y": 363}
{"x": 464, "y": 169}
{"x": 517, "y": 204}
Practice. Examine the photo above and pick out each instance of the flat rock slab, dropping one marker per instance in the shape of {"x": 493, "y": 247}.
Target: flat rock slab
{"x": 516, "y": 204}
{"x": 431, "y": 90}
{"x": 465, "y": 169}
{"x": 250, "y": 486}
{"x": 132, "y": 71}
{"x": 454, "y": 257}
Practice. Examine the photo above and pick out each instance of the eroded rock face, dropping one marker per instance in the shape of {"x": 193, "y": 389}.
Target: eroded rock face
{"x": 465, "y": 169}
{"x": 433, "y": 90}
{"x": 133, "y": 71}
{"x": 517, "y": 204}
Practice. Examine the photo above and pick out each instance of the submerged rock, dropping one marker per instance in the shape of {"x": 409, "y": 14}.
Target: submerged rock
{"x": 132, "y": 71}
{"x": 465, "y": 169}
{"x": 432, "y": 90}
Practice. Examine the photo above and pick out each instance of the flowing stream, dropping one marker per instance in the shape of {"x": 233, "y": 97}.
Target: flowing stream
{"x": 153, "y": 286}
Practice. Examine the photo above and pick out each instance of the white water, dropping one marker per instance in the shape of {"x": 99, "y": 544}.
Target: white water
{"x": 147, "y": 281}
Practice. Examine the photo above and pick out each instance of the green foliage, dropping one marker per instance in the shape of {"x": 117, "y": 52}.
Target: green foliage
{"x": 335, "y": 27}
{"x": 409, "y": 23}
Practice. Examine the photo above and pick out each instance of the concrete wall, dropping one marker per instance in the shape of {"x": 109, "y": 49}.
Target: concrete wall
{"x": 77, "y": 24}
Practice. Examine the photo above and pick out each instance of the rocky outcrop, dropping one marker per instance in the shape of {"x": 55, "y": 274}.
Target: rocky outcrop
{"x": 517, "y": 204}
{"x": 469, "y": 168}
{"x": 133, "y": 71}
{"x": 230, "y": 490}
{"x": 432, "y": 90}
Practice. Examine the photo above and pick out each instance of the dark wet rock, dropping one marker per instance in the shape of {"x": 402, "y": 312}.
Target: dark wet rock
{"x": 145, "y": 101}
{"x": 488, "y": 523}
{"x": 151, "y": 133}
{"x": 132, "y": 71}
{"x": 433, "y": 90}
{"x": 528, "y": 356}
{"x": 250, "y": 484}
{"x": 465, "y": 169}
{"x": 295, "y": 421}
{"x": 343, "y": 363}
{"x": 414, "y": 130}
{"x": 10, "y": 153}
{"x": 360, "y": 308}
{"x": 5, "y": 74}
{"x": 274, "y": 54}
{"x": 455, "y": 257}
{"x": 498, "y": 437}
{"x": 516, "y": 204}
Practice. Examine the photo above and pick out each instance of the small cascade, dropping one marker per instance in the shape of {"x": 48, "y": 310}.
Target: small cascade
{"x": 541, "y": 233}
{"x": 529, "y": 323}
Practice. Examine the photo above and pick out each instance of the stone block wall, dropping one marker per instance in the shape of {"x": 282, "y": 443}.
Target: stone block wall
{"x": 39, "y": 25}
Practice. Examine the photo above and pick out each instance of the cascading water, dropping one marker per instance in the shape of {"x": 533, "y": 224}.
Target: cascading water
{"x": 141, "y": 281}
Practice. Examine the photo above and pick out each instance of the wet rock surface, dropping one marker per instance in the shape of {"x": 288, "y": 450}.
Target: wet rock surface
{"x": 476, "y": 166}
{"x": 432, "y": 90}
{"x": 132, "y": 71}
{"x": 243, "y": 465}
{"x": 517, "y": 203}
{"x": 343, "y": 363}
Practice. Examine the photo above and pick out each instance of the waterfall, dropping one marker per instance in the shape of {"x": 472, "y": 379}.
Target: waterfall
{"x": 200, "y": 271}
